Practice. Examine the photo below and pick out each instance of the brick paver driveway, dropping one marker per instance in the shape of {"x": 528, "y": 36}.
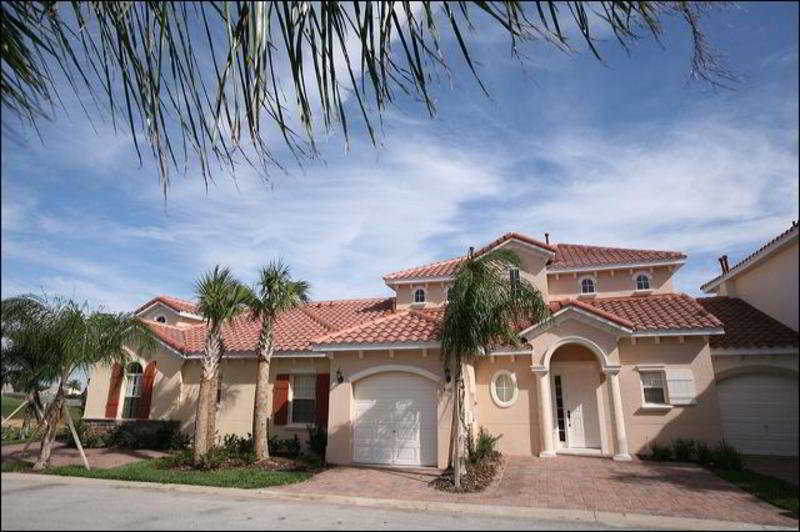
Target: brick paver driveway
{"x": 568, "y": 482}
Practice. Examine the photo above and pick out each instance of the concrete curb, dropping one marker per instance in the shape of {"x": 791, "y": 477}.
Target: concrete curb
{"x": 602, "y": 518}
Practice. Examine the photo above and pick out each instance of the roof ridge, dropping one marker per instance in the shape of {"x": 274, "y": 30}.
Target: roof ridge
{"x": 618, "y": 247}
{"x": 312, "y": 315}
{"x": 426, "y": 265}
{"x": 319, "y": 339}
{"x": 376, "y": 298}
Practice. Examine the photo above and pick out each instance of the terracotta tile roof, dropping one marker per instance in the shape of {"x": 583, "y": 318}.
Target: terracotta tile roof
{"x": 403, "y": 326}
{"x": 763, "y": 249}
{"x": 181, "y": 305}
{"x": 555, "y": 306}
{"x": 650, "y": 313}
{"x": 294, "y": 330}
{"x": 567, "y": 256}
{"x": 746, "y": 326}
{"x": 578, "y": 255}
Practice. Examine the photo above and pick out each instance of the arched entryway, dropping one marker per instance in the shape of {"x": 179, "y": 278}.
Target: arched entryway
{"x": 577, "y": 392}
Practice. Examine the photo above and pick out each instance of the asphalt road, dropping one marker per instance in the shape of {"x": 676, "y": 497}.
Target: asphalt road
{"x": 56, "y": 504}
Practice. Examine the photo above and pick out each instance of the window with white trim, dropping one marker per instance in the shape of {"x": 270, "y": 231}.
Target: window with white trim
{"x": 302, "y": 398}
{"x": 588, "y": 286}
{"x": 643, "y": 282}
{"x": 654, "y": 387}
{"x": 133, "y": 389}
{"x": 419, "y": 295}
{"x": 504, "y": 388}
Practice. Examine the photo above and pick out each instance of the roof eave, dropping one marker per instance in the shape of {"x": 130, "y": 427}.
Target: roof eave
{"x": 618, "y": 266}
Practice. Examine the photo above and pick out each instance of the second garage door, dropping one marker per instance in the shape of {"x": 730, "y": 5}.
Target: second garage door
{"x": 394, "y": 420}
{"x": 759, "y": 413}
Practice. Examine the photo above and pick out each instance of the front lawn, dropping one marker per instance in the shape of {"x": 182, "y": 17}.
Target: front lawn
{"x": 148, "y": 471}
{"x": 773, "y": 490}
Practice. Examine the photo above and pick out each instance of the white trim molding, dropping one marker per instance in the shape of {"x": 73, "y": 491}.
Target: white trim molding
{"x": 620, "y": 266}
{"x": 739, "y": 351}
{"x": 679, "y": 332}
{"x": 593, "y": 347}
{"x": 393, "y": 367}
{"x": 376, "y": 346}
{"x": 417, "y": 280}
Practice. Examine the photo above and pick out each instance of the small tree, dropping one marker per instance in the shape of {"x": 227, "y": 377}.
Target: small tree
{"x": 52, "y": 340}
{"x": 485, "y": 307}
{"x": 275, "y": 292}
{"x": 220, "y": 297}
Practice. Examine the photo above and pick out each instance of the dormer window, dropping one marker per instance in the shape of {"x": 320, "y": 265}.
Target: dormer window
{"x": 642, "y": 282}
{"x": 419, "y": 295}
{"x": 161, "y": 319}
{"x": 588, "y": 286}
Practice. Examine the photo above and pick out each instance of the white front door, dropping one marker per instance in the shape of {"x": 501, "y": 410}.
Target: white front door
{"x": 394, "y": 420}
{"x": 577, "y": 423}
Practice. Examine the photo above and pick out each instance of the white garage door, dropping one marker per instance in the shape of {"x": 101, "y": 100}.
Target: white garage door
{"x": 395, "y": 420}
{"x": 759, "y": 413}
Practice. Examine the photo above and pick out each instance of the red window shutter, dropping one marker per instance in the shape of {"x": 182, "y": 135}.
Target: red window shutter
{"x": 280, "y": 400}
{"x": 112, "y": 403}
{"x": 147, "y": 390}
{"x": 323, "y": 386}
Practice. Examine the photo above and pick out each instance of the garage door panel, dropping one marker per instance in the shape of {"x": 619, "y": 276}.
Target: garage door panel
{"x": 392, "y": 420}
{"x": 760, "y": 413}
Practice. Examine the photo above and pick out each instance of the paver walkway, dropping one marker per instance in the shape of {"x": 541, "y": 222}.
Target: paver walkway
{"x": 568, "y": 482}
{"x": 63, "y": 455}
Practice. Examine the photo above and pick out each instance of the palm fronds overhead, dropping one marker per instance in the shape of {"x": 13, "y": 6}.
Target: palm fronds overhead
{"x": 186, "y": 78}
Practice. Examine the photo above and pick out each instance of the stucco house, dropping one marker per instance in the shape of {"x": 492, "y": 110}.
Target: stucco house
{"x": 755, "y": 362}
{"x": 624, "y": 361}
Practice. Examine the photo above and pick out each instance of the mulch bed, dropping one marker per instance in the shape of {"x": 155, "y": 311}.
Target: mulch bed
{"x": 273, "y": 463}
{"x": 478, "y": 477}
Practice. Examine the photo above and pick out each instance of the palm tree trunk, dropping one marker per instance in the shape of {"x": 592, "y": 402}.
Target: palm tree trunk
{"x": 260, "y": 415}
{"x": 203, "y": 422}
{"x": 52, "y": 417}
{"x": 456, "y": 437}
{"x": 213, "y": 386}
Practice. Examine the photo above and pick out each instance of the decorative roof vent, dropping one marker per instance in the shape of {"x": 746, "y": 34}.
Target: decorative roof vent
{"x": 723, "y": 263}
{"x": 547, "y": 238}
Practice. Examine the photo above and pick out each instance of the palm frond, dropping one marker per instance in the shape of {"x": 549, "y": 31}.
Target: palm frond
{"x": 191, "y": 79}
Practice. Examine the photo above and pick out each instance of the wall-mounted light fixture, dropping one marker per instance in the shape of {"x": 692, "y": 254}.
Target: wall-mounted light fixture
{"x": 447, "y": 374}
{"x": 339, "y": 377}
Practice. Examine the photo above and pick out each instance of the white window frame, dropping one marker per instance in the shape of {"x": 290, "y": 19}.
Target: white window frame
{"x": 493, "y": 388}
{"x": 635, "y": 279}
{"x": 665, "y": 387}
{"x": 592, "y": 278}
{"x": 133, "y": 381}
{"x": 414, "y": 295}
{"x": 290, "y": 423}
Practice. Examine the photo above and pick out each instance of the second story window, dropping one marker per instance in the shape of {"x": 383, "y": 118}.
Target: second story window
{"x": 513, "y": 275}
{"x": 419, "y": 295}
{"x": 642, "y": 282}
{"x": 587, "y": 286}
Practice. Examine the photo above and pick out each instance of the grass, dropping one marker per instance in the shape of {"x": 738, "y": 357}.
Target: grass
{"x": 775, "y": 491}
{"x": 149, "y": 471}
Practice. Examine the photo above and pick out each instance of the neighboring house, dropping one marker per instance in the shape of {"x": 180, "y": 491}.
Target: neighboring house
{"x": 756, "y": 361}
{"x": 624, "y": 361}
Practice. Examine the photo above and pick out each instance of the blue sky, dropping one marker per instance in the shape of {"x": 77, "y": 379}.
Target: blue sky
{"x": 621, "y": 154}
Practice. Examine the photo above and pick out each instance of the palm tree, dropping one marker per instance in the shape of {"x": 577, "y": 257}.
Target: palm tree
{"x": 197, "y": 74}
{"x": 50, "y": 340}
{"x": 220, "y": 297}
{"x": 275, "y": 292}
{"x": 485, "y": 309}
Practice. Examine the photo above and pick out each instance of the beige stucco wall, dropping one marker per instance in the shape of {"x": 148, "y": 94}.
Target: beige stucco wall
{"x": 573, "y": 328}
{"x": 165, "y": 403}
{"x": 725, "y": 364}
{"x": 771, "y": 286}
{"x": 340, "y": 424}
{"x": 700, "y": 421}
{"x": 434, "y": 295}
{"x": 622, "y": 283}
{"x": 519, "y": 422}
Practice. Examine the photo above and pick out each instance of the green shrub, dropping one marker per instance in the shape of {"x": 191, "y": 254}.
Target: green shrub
{"x": 660, "y": 453}
{"x": 293, "y": 447}
{"x": 276, "y": 445}
{"x": 683, "y": 449}
{"x": 727, "y": 457}
{"x": 703, "y": 453}
{"x": 483, "y": 447}
{"x": 180, "y": 458}
{"x": 317, "y": 439}
{"x": 12, "y": 433}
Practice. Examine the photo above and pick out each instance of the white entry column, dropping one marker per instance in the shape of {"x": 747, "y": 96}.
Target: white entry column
{"x": 620, "y": 437}
{"x": 545, "y": 411}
